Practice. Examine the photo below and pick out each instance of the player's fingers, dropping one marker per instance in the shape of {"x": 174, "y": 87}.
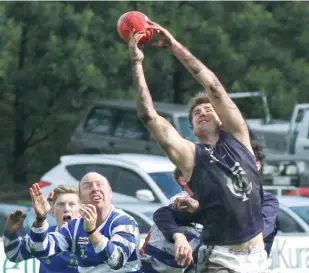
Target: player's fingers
{"x": 138, "y": 36}
{"x": 182, "y": 257}
{"x": 18, "y": 213}
{"x": 92, "y": 208}
{"x": 176, "y": 204}
{"x": 36, "y": 189}
{"x": 188, "y": 260}
{"x": 31, "y": 194}
{"x": 178, "y": 250}
{"x": 187, "y": 256}
{"x": 90, "y": 214}
{"x": 154, "y": 25}
{"x": 84, "y": 214}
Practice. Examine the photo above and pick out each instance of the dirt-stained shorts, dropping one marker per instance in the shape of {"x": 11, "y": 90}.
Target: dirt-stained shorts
{"x": 218, "y": 259}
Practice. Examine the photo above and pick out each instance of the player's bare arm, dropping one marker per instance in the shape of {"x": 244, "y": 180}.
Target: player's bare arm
{"x": 179, "y": 150}
{"x": 226, "y": 109}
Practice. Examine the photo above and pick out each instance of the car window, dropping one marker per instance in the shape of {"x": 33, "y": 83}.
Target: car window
{"x": 101, "y": 120}
{"x": 143, "y": 226}
{"x": 287, "y": 224}
{"x": 166, "y": 183}
{"x": 130, "y": 126}
{"x": 128, "y": 182}
{"x": 79, "y": 170}
{"x": 302, "y": 212}
{"x": 186, "y": 130}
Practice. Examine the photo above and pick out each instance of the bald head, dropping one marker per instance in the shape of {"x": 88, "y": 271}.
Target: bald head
{"x": 93, "y": 176}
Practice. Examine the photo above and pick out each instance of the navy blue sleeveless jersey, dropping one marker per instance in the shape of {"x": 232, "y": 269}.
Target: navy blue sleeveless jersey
{"x": 226, "y": 183}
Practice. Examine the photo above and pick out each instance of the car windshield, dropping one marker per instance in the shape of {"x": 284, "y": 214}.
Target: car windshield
{"x": 166, "y": 183}
{"x": 302, "y": 212}
{"x": 185, "y": 128}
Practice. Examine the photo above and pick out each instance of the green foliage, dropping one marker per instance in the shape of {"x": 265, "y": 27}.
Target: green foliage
{"x": 57, "y": 57}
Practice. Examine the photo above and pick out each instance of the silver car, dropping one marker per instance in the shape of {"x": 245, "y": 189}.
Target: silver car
{"x": 146, "y": 177}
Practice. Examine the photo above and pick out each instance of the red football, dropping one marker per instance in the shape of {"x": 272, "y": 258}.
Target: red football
{"x": 137, "y": 20}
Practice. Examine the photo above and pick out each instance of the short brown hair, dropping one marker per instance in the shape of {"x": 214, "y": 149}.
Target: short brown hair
{"x": 198, "y": 99}
{"x": 177, "y": 173}
{"x": 64, "y": 189}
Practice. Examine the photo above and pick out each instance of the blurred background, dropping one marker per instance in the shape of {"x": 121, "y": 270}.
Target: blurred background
{"x": 57, "y": 58}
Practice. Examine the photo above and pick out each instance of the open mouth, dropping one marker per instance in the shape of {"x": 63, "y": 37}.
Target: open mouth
{"x": 96, "y": 198}
{"x": 66, "y": 218}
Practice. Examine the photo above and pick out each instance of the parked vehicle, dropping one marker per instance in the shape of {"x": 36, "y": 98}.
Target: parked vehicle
{"x": 286, "y": 170}
{"x": 112, "y": 126}
{"x": 148, "y": 178}
{"x": 282, "y": 190}
{"x": 289, "y": 253}
{"x": 287, "y": 137}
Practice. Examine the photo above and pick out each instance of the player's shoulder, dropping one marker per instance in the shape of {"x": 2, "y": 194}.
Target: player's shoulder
{"x": 120, "y": 217}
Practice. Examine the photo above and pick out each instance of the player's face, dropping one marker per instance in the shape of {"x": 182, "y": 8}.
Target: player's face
{"x": 258, "y": 165}
{"x": 205, "y": 119}
{"x": 66, "y": 208}
{"x": 96, "y": 190}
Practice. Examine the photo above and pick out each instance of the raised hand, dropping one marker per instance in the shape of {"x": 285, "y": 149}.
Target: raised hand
{"x": 39, "y": 203}
{"x": 186, "y": 204}
{"x": 89, "y": 213}
{"x": 136, "y": 53}
{"x": 166, "y": 39}
{"x": 15, "y": 221}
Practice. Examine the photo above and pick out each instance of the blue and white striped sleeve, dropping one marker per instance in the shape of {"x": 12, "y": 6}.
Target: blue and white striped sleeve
{"x": 124, "y": 239}
{"x": 16, "y": 248}
{"x": 46, "y": 244}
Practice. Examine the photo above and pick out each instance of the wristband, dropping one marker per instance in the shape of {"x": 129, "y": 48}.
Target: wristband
{"x": 92, "y": 231}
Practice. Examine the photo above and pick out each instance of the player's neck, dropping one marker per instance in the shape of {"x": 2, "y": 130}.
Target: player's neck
{"x": 103, "y": 214}
{"x": 209, "y": 138}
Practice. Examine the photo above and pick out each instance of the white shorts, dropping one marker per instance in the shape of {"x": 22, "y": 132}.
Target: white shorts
{"x": 218, "y": 259}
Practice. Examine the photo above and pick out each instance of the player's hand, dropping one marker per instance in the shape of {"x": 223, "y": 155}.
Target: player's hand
{"x": 15, "y": 221}
{"x": 166, "y": 39}
{"x": 187, "y": 204}
{"x": 40, "y": 204}
{"x": 183, "y": 250}
{"x": 136, "y": 53}
{"x": 89, "y": 213}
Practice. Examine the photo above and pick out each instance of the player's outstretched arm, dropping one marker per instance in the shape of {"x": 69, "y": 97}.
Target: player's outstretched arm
{"x": 179, "y": 150}
{"x": 226, "y": 109}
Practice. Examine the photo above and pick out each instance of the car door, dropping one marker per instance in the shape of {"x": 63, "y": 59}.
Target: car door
{"x": 98, "y": 130}
{"x": 288, "y": 224}
{"x": 130, "y": 135}
{"x": 128, "y": 182}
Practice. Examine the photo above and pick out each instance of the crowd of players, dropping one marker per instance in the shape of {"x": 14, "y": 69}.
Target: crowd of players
{"x": 222, "y": 221}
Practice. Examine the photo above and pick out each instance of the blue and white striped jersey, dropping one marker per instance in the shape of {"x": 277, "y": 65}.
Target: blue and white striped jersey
{"x": 17, "y": 249}
{"x": 158, "y": 253}
{"x": 119, "y": 253}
